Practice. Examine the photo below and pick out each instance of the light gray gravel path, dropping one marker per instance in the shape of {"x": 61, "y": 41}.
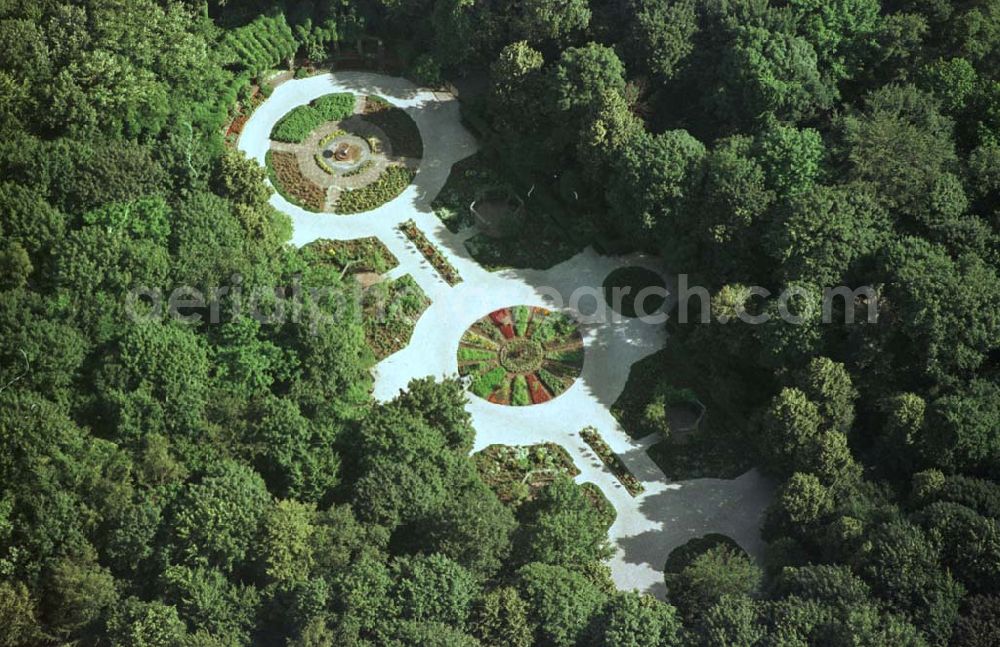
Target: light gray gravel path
{"x": 648, "y": 527}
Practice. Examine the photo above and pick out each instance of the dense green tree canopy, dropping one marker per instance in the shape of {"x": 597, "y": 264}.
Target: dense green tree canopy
{"x": 231, "y": 482}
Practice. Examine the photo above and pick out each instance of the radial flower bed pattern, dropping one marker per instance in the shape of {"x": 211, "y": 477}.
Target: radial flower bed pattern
{"x": 521, "y": 355}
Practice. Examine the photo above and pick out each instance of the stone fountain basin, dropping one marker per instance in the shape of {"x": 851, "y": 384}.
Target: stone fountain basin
{"x": 357, "y": 148}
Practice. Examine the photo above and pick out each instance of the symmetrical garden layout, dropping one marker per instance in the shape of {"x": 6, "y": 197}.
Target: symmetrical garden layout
{"x": 521, "y": 355}
{"x": 569, "y": 372}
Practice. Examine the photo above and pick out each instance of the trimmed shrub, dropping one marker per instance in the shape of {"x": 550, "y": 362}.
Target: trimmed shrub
{"x": 389, "y": 184}
{"x": 260, "y": 45}
{"x": 295, "y": 127}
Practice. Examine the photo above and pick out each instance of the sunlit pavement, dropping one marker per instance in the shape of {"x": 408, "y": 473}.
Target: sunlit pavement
{"x": 649, "y": 526}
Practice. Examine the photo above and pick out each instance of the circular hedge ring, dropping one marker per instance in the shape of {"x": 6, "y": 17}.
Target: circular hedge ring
{"x": 635, "y": 279}
{"x": 521, "y": 355}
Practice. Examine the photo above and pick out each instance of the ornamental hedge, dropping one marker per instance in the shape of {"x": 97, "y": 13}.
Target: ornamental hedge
{"x": 389, "y": 184}
{"x": 295, "y": 127}
{"x": 260, "y": 45}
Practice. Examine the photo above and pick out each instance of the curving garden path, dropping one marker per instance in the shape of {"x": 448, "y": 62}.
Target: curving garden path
{"x": 649, "y": 526}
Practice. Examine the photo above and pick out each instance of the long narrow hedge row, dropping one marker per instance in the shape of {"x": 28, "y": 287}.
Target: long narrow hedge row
{"x": 261, "y": 44}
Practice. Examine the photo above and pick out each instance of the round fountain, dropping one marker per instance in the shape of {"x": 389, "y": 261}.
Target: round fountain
{"x": 347, "y": 152}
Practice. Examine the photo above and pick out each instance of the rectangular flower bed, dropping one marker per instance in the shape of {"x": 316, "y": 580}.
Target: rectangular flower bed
{"x": 612, "y": 461}
{"x": 350, "y": 256}
{"x": 431, "y": 253}
{"x": 518, "y": 473}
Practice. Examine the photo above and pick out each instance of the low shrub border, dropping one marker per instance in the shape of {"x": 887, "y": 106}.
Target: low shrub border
{"x": 612, "y": 461}
{"x": 364, "y": 166}
{"x": 387, "y": 186}
{"x": 605, "y": 511}
{"x": 332, "y": 136}
{"x": 294, "y": 127}
{"x": 321, "y": 163}
{"x": 431, "y": 253}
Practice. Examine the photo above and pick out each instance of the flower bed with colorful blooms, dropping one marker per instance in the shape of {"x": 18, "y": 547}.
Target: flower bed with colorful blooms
{"x": 387, "y": 186}
{"x": 351, "y": 256}
{"x": 285, "y": 174}
{"x": 612, "y": 461}
{"x": 517, "y": 473}
{"x": 521, "y": 355}
{"x": 344, "y": 156}
{"x": 431, "y": 253}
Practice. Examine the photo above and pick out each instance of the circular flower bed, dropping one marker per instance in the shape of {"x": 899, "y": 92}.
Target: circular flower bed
{"x": 635, "y": 280}
{"x": 343, "y": 155}
{"x": 521, "y": 355}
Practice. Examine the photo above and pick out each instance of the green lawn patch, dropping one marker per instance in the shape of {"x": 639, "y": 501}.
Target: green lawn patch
{"x": 466, "y": 353}
{"x": 522, "y": 316}
{"x": 485, "y": 384}
{"x": 521, "y": 394}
